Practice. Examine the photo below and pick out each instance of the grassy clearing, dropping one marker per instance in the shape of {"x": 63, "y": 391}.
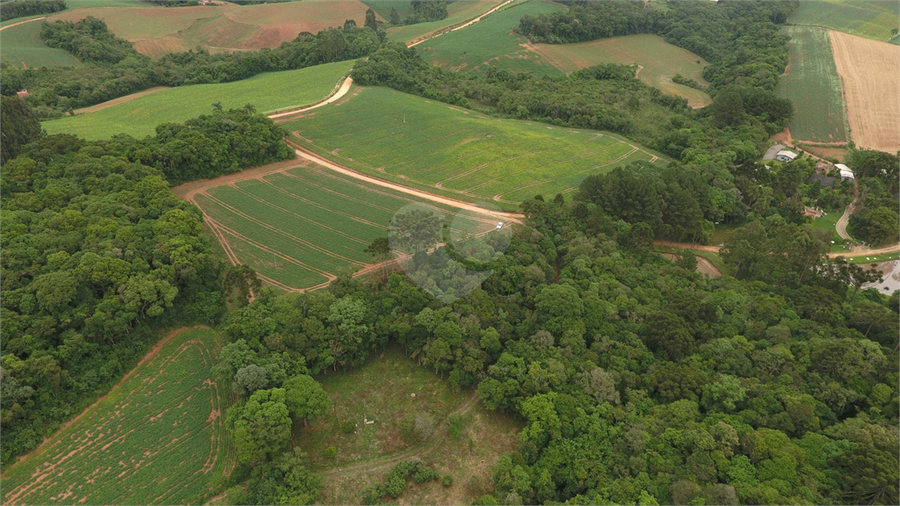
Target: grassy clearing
{"x": 157, "y": 438}
{"x": 459, "y": 153}
{"x": 814, "y": 86}
{"x": 491, "y": 43}
{"x": 382, "y": 392}
{"x": 157, "y": 30}
{"x": 873, "y": 19}
{"x": 659, "y": 62}
{"x": 457, "y": 12}
{"x": 22, "y": 45}
{"x": 267, "y": 92}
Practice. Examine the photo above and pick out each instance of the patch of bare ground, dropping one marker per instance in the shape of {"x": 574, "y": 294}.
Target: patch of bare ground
{"x": 704, "y": 266}
{"x": 869, "y": 70}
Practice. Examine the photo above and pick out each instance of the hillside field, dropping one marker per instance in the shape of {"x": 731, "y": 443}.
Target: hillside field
{"x": 459, "y": 153}
{"x": 457, "y": 12}
{"x": 159, "y": 30}
{"x": 267, "y": 92}
{"x": 23, "y": 47}
{"x": 658, "y": 62}
{"x": 873, "y": 19}
{"x": 157, "y": 438}
{"x": 382, "y": 391}
{"x": 812, "y": 83}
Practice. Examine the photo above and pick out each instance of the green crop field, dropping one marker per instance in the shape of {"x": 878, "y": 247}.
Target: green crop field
{"x": 22, "y": 45}
{"x": 457, "y": 12}
{"x": 814, "y": 86}
{"x": 659, "y": 61}
{"x": 267, "y": 92}
{"x": 382, "y": 391}
{"x": 383, "y": 7}
{"x": 459, "y": 153}
{"x": 157, "y": 438}
{"x": 874, "y": 19}
{"x": 490, "y": 42}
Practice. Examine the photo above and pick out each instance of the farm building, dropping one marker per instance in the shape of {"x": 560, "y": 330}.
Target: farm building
{"x": 22, "y": 94}
{"x": 785, "y": 156}
{"x": 827, "y": 182}
{"x": 846, "y": 173}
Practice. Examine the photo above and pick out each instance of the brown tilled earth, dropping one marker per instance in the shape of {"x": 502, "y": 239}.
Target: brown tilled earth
{"x": 869, "y": 70}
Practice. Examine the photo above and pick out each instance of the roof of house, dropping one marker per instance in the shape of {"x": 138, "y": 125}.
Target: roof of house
{"x": 841, "y": 166}
{"x": 789, "y": 154}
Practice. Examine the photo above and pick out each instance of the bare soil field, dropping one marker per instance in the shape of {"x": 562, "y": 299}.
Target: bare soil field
{"x": 869, "y": 70}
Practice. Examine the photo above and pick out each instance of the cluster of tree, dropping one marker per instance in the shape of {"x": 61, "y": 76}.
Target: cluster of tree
{"x": 690, "y": 83}
{"x": 740, "y": 39}
{"x": 98, "y": 253}
{"x": 423, "y": 11}
{"x": 875, "y": 220}
{"x": 116, "y": 69}
{"x": 639, "y": 381}
{"x": 21, "y": 8}
{"x": 395, "y": 481}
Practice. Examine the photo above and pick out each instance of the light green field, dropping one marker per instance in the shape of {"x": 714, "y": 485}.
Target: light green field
{"x": 659, "y": 62}
{"x": 81, "y": 4}
{"x": 814, "y": 86}
{"x": 22, "y": 45}
{"x": 157, "y": 438}
{"x": 267, "y": 92}
{"x": 457, "y": 12}
{"x": 459, "y": 153}
{"x": 873, "y": 19}
{"x": 382, "y": 391}
{"x": 491, "y": 43}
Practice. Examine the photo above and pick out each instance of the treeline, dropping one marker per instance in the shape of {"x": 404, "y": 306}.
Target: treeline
{"x": 21, "y": 8}
{"x": 732, "y": 131}
{"x": 639, "y": 380}
{"x": 423, "y": 11}
{"x": 741, "y": 40}
{"x": 99, "y": 254}
{"x": 116, "y": 69}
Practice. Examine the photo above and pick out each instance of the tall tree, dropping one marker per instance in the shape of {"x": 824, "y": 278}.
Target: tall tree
{"x": 19, "y": 125}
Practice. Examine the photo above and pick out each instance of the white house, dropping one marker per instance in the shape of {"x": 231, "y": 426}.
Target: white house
{"x": 785, "y": 156}
{"x": 845, "y": 171}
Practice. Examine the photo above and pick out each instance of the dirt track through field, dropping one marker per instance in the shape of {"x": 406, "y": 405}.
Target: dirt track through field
{"x": 17, "y": 23}
{"x": 869, "y": 71}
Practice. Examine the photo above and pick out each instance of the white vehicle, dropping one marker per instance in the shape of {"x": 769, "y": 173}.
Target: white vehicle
{"x": 499, "y": 225}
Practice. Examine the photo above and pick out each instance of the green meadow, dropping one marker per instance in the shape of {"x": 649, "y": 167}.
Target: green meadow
{"x": 460, "y": 153}
{"x": 814, "y": 86}
{"x": 457, "y": 12}
{"x": 873, "y": 19}
{"x": 267, "y": 92}
{"x": 22, "y": 46}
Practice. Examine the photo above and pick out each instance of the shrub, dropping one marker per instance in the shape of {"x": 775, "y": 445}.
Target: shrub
{"x": 348, "y": 426}
{"x": 447, "y": 480}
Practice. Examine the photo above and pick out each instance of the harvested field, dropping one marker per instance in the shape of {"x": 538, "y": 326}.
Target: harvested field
{"x": 869, "y": 70}
{"x": 658, "y": 62}
{"x": 813, "y": 85}
{"x": 157, "y": 438}
{"x": 158, "y": 30}
{"x": 459, "y": 153}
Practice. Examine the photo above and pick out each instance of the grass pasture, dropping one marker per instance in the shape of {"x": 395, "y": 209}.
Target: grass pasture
{"x": 812, "y": 83}
{"x": 457, "y": 12}
{"x": 22, "y": 46}
{"x": 458, "y": 153}
{"x": 873, "y": 19}
{"x": 659, "y": 61}
{"x": 382, "y": 391}
{"x": 491, "y": 43}
{"x": 158, "y": 30}
{"x": 267, "y": 92}
{"x": 157, "y": 438}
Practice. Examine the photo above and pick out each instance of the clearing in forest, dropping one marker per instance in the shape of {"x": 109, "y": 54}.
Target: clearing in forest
{"x": 157, "y": 438}
{"x": 23, "y": 47}
{"x": 657, "y": 60}
{"x": 873, "y": 19}
{"x": 266, "y": 92}
{"x": 869, "y": 71}
{"x": 813, "y": 85}
{"x": 227, "y": 27}
{"x": 381, "y": 392}
{"x": 459, "y": 153}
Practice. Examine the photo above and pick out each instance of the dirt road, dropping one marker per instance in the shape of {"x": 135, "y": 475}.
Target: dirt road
{"x": 344, "y": 88}
{"x": 451, "y": 28}
{"x": 17, "y": 23}
{"x": 894, "y": 248}
{"x": 841, "y": 226}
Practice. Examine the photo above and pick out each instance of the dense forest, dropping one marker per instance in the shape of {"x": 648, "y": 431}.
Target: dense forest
{"x": 113, "y": 68}
{"x": 11, "y": 9}
{"x": 98, "y": 254}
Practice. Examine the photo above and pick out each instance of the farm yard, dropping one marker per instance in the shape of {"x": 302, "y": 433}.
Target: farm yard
{"x": 159, "y": 30}
{"x": 22, "y": 46}
{"x": 267, "y": 92}
{"x": 658, "y": 62}
{"x": 873, "y": 19}
{"x": 458, "y": 153}
{"x": 869, "y": 71}
{"x": 812, "y": 83}
{"x": 157, "y": 438}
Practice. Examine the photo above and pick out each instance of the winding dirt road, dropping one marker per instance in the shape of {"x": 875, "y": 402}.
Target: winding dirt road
{"x": 841, "y": 226}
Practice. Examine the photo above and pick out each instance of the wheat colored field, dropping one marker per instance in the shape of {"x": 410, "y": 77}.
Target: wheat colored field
{"x": 869, "y": 71}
